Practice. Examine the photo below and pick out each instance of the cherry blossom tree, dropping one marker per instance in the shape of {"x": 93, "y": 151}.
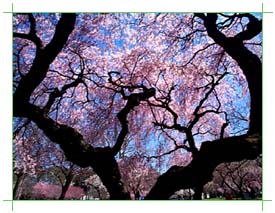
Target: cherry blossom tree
{"x": 158, "y": 86}
{"x": 239, "y": 178}
{"x": 137, "y": 176}
{"x": 26, "y": 152}
{"x": 48, "y": 191}
{"x": 43, "y": 161}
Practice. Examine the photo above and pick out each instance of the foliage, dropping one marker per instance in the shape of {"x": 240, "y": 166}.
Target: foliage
{"x": 51, "y": 192}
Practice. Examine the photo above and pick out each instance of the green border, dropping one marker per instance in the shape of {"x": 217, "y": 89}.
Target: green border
{"x": 262, "y": 200}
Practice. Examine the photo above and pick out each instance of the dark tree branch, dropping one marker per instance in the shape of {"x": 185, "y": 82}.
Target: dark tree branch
{"x": 169, "y": 152}
{"x": 225, "y": 124}
{"x": 253, "y": 28}
{"x": 200, "y": 170}
{"x": 196, "y": 53}
{"x": 17, "y": 55}
{"x": 32, "y": 34}
{"x": 68, "y": 180}
{"x": 164, "y": 103}
{"x": 42, "y": 60}
{"x": 56, "y": 93}
{"x": 203, "y": 100}
{"x": 18, "y": 129}
{"x": 132, "y": 101}
{"x": 250, "y": 64}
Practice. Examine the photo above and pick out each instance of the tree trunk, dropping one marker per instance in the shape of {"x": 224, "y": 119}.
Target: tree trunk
{"x": 106, "y": 167}
{"x": 66, "y": 186}
{"x": 198, "y": 192}
{"x": 17, "y": 187}
{"x": 199, "y": 171}
{"x": 137, "y": 195}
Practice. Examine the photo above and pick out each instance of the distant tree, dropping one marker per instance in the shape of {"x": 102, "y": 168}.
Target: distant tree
{"x": 42, "y": 161}
{"x": 240, "y": 178}
{"x": 47, "y": 191}
{"x": 25, "y": 155}
{"x": 213, "y": 189}
{"x": 137, "y": 175}
{"x": 95, "y": 189}
{"x": 19, "y": 179}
